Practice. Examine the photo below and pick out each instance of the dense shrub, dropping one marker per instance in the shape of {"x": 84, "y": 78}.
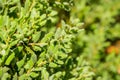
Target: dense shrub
{"x": 59, "y": 40}
{"x": 37, "y": 41}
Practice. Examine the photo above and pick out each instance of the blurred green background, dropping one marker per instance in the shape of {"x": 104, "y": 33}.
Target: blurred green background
{"x": 99, "y": 41}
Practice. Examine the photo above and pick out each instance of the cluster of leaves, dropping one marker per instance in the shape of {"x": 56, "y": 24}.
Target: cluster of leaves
{"x": 32, "y": 46}
{"x": 102, "y": 28}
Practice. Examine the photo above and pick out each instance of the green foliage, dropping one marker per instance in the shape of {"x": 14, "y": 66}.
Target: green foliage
{"x": 45, "y": 39}
{"x": 101, "y": 20}
{"x": 32, "y": 46}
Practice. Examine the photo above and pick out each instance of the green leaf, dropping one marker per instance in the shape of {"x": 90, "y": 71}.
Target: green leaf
{"x": 53, "y": 65}
{"x": 60, "y": 62}
{"x": 40, "y": 62}
{"x": 36, "y": 48}
{"x": 36, "y": 36}
{"x": 15, "y": 77}
{"x": 10, "y": 58}
{"x": 24, "y": 77}
{"x": 6, "y": 20}
{"x": 45, "y": 74}
{"x": 42, "y": 17}
{"x": 29, "y": 50}
{"x": 47, "y": 37}
{"x": 21, "y": 63}
{"x": 62, "y": 55}
{"x": 34, "y": 58}
{"x": 53, "y": 13}
{"x": 3, "y": 70}
{"x": 29, "y": 64}
{"x": 21, "y": 72}
{"x": 30, "y": 32}
{"x": 42, "y": 23}
{"x": 34, "y": 75}
{"x": 27, "y": 6}
{"x": 5, "y": 76}
{"x": 13, "y": 43}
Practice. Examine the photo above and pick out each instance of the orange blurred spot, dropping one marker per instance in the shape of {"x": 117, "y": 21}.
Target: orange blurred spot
{"x": 112, "y": 49}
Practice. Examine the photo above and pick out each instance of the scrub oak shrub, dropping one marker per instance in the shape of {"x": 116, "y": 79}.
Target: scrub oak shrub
{"x": 99, "y": 42}
{"x": 37, "y": 41}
